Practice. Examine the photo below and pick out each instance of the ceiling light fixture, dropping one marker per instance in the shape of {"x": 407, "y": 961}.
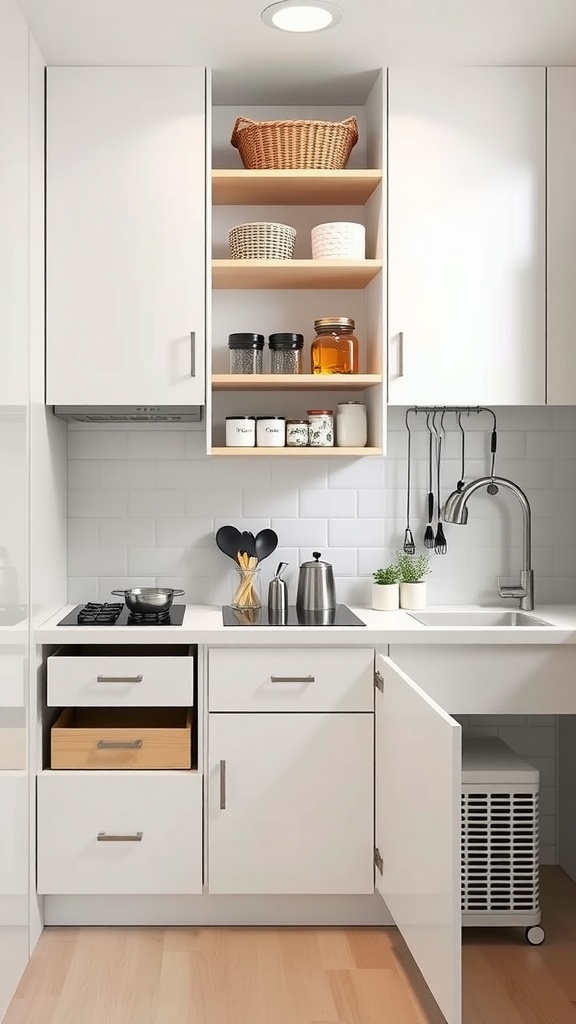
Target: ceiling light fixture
{"x": 302, "y": 15}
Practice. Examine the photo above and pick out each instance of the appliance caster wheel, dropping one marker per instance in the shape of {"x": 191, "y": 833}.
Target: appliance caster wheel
{"x": 535, "y": 935}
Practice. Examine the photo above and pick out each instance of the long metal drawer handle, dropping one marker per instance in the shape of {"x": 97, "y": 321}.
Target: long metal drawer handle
{"x": 117, "y": 745}
{"x": 192, "y": 353}
{"x": 222, "y": 785}
{"x": 292, "y": 679}
{"x": 401, "y": 354}
{"x": 119, "y": 679}
{"x": 126, "y": 837}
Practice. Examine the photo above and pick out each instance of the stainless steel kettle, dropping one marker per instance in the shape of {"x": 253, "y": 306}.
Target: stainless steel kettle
{"x": 316, "y": 589}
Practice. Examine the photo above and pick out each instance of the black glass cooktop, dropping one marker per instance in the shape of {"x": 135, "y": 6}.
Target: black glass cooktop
{"x": 94, "y": 614}
{"x": 339, "y": 616}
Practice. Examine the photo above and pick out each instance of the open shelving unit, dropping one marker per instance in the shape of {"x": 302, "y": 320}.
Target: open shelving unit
{"x": 267, "y": 296}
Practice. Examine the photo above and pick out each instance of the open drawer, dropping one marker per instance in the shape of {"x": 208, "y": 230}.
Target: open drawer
{"x": 117, "y": 738}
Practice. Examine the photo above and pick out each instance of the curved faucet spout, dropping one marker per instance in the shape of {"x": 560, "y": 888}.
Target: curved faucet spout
{"x": 456, "y": 511}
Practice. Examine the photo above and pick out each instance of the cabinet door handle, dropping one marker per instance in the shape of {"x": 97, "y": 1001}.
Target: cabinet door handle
{"x": 401, "y": 354}
{"x": 120, "y": 837}
{"x": 119, "y": 679}
{"x": 292, "y": 679}
{"x": 222, "y": 785}
{"x": 192, "y": 353}
{"x": 117, "y": 745}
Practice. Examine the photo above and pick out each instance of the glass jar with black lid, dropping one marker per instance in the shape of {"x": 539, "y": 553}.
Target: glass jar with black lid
{"x": 286, "y": 352}
{"x": 246, "y": 352}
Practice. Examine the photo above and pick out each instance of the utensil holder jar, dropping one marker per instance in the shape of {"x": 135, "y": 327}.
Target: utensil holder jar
{"x": 246, "y": 588}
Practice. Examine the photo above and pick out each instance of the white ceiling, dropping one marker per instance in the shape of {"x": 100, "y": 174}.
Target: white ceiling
{"x": 229, "y": 35}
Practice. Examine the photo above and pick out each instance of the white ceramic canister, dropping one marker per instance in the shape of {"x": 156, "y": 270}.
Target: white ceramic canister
{"x": 271, "y": 432}
{"x": 351, "y": 425}
{"x": 240, "y": 431}
{"x": 339, "y": 240}
{"x": 321, "y": 429}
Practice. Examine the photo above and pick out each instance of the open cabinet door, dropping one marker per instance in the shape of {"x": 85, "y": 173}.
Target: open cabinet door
{"x": 418, "y": 793}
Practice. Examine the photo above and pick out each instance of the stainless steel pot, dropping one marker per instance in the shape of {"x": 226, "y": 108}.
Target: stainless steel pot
{"x": 316, "y": 588}
{"x": 145, "y": 600}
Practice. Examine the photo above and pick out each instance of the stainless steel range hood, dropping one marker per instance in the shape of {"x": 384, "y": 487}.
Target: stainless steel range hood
{"x": 130, "y": 413}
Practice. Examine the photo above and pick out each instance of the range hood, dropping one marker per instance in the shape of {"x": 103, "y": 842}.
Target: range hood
{"x": 130, "y": 413}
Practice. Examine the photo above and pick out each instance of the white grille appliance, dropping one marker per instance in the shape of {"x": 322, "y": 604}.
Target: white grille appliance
{"x": 500, "y": 852}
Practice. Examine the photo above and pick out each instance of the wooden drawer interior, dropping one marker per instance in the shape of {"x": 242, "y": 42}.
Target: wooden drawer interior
{"x": 114, "y": 738}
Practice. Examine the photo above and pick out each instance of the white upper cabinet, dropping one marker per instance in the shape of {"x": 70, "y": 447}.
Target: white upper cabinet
{"x": 561, "y": 236}
{"x": 467, "y": 236}
{"x": 126, "y": 236}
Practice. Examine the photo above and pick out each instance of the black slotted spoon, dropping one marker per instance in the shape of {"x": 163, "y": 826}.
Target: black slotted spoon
{"x": 429, "y": 532}
{"x": 440, "y": 545}
{"x": 408, "y": 546}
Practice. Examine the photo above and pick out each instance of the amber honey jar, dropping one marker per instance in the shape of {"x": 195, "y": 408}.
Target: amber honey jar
{"x": 335, "y": 347}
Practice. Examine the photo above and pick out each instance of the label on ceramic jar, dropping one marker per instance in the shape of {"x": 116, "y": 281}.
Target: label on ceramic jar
{"x": 240, "y": 432}
{"x": 321, "y": 429}
{"x": 271, "y": 432}
{"x": 297, "y": 434}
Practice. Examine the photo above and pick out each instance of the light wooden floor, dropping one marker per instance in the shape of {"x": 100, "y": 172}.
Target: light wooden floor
{"x": 294, "y": 976}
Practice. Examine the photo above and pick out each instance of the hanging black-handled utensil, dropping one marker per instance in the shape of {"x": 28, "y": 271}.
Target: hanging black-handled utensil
{"x": 492, "y": 487}
{"x": 440, "y": 545}
{"x": 429, "y": 532}
{"x": 460, "y": 483}
{"x": 408, "y": 546}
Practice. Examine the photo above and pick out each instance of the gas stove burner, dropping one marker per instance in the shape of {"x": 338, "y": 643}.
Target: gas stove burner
{"x": 93, "y": 614}
{"x": 149, "y": 618}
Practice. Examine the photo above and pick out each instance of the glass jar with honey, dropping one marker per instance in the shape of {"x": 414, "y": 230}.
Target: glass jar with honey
{"x": 335, "y": 347}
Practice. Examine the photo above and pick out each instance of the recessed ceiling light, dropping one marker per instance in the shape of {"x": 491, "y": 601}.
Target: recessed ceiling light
{"x": 302, "y": 15}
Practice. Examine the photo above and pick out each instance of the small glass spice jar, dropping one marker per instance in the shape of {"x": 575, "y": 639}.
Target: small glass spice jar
{"x": 297, "y": 433}
{"x": 246, "y": 352}
{"x": 321, "y": 428}
{"x": 240, "y": 431}
{"x": 286, "y": 353}
{"x": 335, "y": 347}
{"x": 271, "y": 432}
{"x": 351, "y": 425}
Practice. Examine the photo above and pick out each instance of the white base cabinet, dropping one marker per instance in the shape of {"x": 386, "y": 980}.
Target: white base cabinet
{"x": 290, "y": 803}
{"x": 418, "y": 792}
{"x": 106, "y": 833}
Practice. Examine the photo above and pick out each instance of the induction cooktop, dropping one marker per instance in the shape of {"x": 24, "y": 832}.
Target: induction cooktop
{"x": 339, "y": 616}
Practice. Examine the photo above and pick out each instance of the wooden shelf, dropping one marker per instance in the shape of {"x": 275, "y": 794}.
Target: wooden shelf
{"x": 298, "y": 452}
{"x": 293, "y": 188}
{"x": 294, "y": 381}
{"x": 247, "y": 274}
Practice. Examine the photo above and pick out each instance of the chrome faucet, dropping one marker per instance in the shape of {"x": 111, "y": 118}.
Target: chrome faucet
{"x": 456, "y": 511}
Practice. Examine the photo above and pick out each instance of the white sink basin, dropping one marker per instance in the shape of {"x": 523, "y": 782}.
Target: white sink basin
{"x": 489, "y": 619}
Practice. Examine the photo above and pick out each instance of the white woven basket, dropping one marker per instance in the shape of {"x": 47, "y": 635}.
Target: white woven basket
{"x": 262, "y": 241}
{"x": 339, "y": 240}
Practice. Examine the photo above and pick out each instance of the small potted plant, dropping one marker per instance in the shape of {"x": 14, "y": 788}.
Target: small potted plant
{"x": 385, "y": 589}
{"x": 413, "y": 570}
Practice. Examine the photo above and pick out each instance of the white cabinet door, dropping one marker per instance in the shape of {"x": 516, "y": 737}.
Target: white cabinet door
{"x": 466, "y": 236}
{"x": 291, "y": 802}
{"x": 125, "y": 236}
{"x": 561, "y": 95}
{"x": 418, "y": 792}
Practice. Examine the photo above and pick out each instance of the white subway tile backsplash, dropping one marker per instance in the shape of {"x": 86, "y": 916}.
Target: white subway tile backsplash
{"x": 299, "y": 474}
{"x": 117, "y": 473}
{"x": 83, "y": 474}
{"x": 83, "y": 533}
{"x": 301, "y": 532}
{"x": 368, "y": 472}
{"x": 102, "y": 504}
{"x": 328, "y": 504}
{"x": 224, "y": 503}
{"x": 156, "y": 444}
{"x": 172, "y": 561}
{"x": 98, "y": 444}
{"x": 156, "y": 502}
{"x": 355, "y": 533}
{"x": 85, "y": 561}
{"x": 172, "y": 533}
{"x": 269, "y": 503}
{"x": 553, "y": 444}
{"x": 127, "y": 533}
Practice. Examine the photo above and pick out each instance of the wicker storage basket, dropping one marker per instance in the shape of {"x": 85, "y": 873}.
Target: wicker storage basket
{"x": 262, "y": 241}
{"x": 295, "y": 145}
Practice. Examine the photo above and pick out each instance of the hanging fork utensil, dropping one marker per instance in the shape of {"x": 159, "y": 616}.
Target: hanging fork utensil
{"x": 409, "y": 547}
{"x": 429, "y": 532}
{"x": 440, "y": 545}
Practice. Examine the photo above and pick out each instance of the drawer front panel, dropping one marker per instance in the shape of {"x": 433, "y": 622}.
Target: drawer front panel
{"x": 122, "y": 738}
{"x": 120, "y": 681}
{"x": 298, "y": 679}
{"x": 102, "y": 833}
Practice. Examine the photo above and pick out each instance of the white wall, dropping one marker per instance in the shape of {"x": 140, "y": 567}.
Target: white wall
{"x": 144, "y": 504}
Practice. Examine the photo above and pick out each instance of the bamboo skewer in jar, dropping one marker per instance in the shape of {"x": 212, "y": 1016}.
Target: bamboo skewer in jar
{"x": 247, "y": 594}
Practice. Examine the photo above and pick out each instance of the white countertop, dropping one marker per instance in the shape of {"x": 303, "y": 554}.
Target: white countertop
{"x": 203, "y": 625}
